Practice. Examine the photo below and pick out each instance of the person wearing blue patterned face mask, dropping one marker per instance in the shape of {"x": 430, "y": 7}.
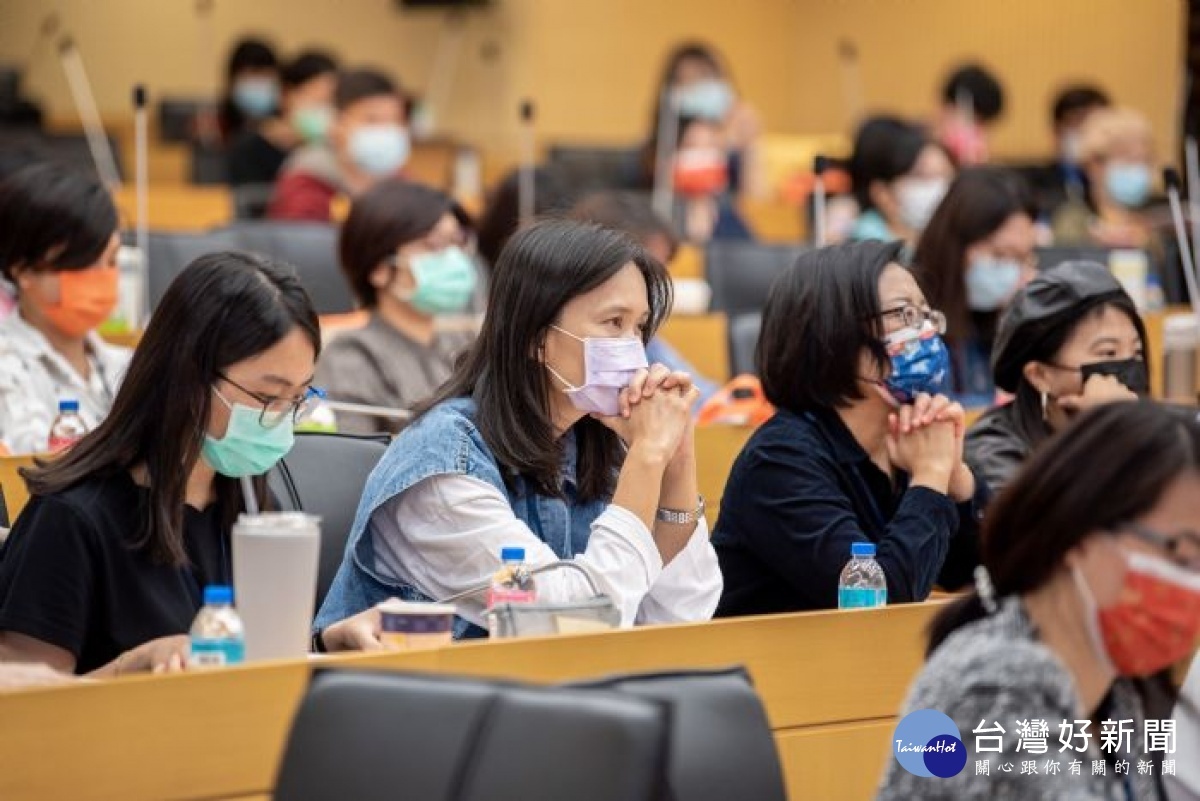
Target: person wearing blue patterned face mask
{"x": 864, "y": 446}
{"x": 406, "y": 253}
{"x": 367, "y": 142}
{"x": 1117, "y": 152}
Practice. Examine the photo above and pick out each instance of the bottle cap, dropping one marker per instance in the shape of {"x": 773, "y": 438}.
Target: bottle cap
{"x": 218, "y": 594}
{"x": 68, "y": 405}
{"x": 862, "y": 549}
{"x": 512, "y": 554}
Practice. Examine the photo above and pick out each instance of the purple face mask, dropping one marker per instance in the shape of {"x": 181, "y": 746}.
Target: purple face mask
{"x": 609, "y": 364}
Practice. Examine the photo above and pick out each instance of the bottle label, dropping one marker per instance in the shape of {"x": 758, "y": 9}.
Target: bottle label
{"x": 57, "y": 444}
{"x": 510, "y": 595}
{"x": 861, "y": 598}
{"x": 216, "y": 653}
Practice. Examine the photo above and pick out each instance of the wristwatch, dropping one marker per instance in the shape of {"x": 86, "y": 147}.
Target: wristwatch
{"x": 678, "y": 518}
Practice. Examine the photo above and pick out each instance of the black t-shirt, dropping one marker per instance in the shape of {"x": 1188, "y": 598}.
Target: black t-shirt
{"x": 69, "y": 577}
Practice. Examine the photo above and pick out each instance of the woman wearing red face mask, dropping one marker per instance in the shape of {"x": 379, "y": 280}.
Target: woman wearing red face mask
{"x": 58, "y": 248}
{"x": 1090, "y": 589}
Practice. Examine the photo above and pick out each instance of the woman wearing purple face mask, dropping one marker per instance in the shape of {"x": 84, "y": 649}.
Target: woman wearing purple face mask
{"x": 553, "y": 434}
{"x": 863, "y": 449}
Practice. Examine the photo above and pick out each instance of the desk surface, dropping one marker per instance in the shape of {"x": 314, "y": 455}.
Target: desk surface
{"x": 830, "y": 693}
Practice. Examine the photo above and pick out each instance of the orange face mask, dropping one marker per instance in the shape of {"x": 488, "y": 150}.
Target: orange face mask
{"x": 701, "y": 172}
{"x": 86, "y": 298}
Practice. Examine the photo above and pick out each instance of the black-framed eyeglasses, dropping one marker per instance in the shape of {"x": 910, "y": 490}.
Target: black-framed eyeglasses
{"x": 914, "y": 317}
{"x": 1174, "y": 545}
{"x": 276, "y": 410}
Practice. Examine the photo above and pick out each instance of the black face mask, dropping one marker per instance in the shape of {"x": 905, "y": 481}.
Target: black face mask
{"x": 1130, "y": 372}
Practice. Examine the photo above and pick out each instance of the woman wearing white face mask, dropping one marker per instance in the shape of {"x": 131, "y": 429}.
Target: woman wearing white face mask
{"x": 403, "y": 253}
{"x": 1116, "y": 149}
{"x": 367, "y": 142}
{"x": 552, "y": 434}
{"x": 1090, "y": 591}
{"x": 900, "y": 176}
{"x": 976, "y": 252}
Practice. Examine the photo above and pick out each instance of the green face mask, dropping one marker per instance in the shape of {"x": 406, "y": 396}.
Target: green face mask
{"x": 312, "y": 123}
{"x": 248, "y": 447}
{"x": 445, "y": 281}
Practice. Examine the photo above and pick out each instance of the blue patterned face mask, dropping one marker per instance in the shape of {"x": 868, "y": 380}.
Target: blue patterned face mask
{"x": 920, "y": 363}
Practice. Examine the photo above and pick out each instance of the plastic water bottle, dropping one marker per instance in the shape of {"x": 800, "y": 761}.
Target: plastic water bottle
{"x": 511, "y": 584}
{"x": 218, "y": 638}
{"x": 863, "y": 584}
{"x": 68, "y": 428}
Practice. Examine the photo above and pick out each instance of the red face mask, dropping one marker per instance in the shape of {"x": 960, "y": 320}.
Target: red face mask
{"x": 701, "y": 172}
{"x": 86, "y": 298}
{"x": 1155, "y": 622}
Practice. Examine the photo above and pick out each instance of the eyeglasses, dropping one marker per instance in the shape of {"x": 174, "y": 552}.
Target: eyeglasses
{"x": 276, "y": 410}
{"x": 916, "y": 318}
{"x": 1173, "y": 545}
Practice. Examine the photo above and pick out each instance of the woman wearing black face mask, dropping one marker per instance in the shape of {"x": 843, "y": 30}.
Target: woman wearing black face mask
{"x": 1070, "y": 340}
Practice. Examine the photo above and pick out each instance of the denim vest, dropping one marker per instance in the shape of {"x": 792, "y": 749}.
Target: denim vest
{"x": 445, "y": 441}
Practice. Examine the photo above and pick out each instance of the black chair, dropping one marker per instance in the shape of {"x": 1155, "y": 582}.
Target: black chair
{"x": 178, "y": 118}
{"x": 594, "y": 169}
{"x": 741, "y": 273}
{"x": 171, "y": 251}
{"x": 209, "y": 165}
{"x": 250, "y": 201}
{"x": 309, "y": 247}
{"x": 376, "y": 736}
{"x": 721, "y": 742}
{"x": 1048, "y": 257}
{"x": 324, "y": 475}
{"x": 743, "y": 339}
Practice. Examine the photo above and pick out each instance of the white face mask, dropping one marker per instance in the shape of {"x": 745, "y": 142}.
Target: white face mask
{"x": 918, "y": 199}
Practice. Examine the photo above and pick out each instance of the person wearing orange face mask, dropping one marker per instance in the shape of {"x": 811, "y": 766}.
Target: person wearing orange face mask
{"x": 58, "y": 248}
{"x": 700, "y": 175}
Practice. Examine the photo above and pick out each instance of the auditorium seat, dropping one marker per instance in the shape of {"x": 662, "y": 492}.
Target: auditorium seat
{"x": 324, "y": 475}
{"x": 309, "y": 247}
{"x": 743, "y": 339}
{"x": 171, "y": 251}
{"x": 721, "y": 743}
{"x": 373, "y": 736}
{"x": 741, "y": 273}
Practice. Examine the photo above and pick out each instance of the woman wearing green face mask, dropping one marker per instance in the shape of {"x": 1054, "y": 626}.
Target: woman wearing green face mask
{"x": 403, "y": 250}
{"x": 105, "y": 568}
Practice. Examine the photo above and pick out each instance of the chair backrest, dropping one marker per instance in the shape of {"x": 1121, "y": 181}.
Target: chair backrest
{"x": 209, "y": 165}
{"x": 721, "y": 742}
{"x": 171, "y": 251}
{"x": 741, "y": 273}
{"x": 250, "y": 201}
{"x": 1048, "y": 257}
{"x": 324, "y": 475}
{"x": 375, "y": 736}
{"x": 309, "y": 247}
{"x": 594, "y": 169}
{"x": 743, "y": 339}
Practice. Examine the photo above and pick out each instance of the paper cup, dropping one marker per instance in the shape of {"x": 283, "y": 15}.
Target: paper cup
{"x": 413, "y": 626}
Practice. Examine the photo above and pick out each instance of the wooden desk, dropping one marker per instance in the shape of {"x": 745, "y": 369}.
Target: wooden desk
{"x": 716, "y": 448}
{"x": 830, "y": 697}
{"x": 178, "y": 208}
{"x": 702, "y": 339}
{"x": 16, "y": 494}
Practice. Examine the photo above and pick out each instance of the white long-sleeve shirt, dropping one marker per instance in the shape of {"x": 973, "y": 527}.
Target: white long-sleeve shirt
{"x": 444, "y": 536}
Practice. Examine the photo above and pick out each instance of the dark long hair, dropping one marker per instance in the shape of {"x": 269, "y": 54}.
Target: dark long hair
{"x": 248, "y": 53}
{"x": 223, "y": 308}
{"x": 1029, "y": 418}
{"x": 977, "y": 204}
{"x": 542, "y": 268}
{"x": 1109, "y": 467}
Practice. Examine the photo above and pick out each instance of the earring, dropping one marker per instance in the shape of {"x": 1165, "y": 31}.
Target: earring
{"x": 1045, "y": 414}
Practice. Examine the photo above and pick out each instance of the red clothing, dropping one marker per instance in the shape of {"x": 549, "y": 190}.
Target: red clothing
{"x": 302, "y": 196}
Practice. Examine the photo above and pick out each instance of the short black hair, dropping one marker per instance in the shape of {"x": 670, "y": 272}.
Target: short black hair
{"x": 630, "y": 212}
{"x": 388, "y": 215}
{"x": 885, "y": 148}
{"x": 54, "y": 216}
{"x": 360, "y": 84}
{"x": 306, "y": 66}
{"x": 821, "y": 314}
{"x": 1077, "y": 98}
{"x": 250, "y": 53}
{"x": 981, "y": 86}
